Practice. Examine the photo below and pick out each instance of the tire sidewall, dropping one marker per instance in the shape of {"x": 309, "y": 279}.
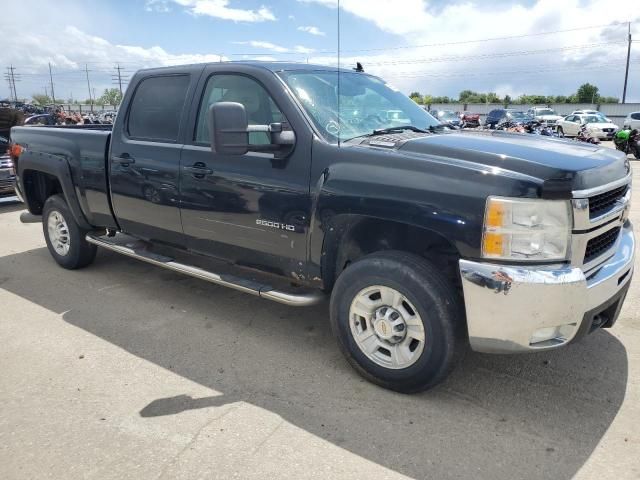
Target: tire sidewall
{"x": 72, "y": 258}
{"x": 436, "y": 314}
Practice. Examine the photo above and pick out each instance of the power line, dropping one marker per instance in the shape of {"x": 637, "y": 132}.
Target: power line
{"x": 551, "y": 69}
{"x": 10, "y": 77}
{"x": 481, "y": 40}
{"x": 493, "y": 55}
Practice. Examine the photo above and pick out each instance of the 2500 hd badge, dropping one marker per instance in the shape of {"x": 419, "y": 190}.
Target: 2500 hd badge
{"x": 281, "y": 226}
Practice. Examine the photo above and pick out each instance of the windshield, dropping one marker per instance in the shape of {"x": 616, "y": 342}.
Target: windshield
{"x": 448, "y": 116}
{"x": 366, "y": 104}
{"x": 519, "y": 116}
{"x": 546, "y": 111}
{"x": 594, "y": 119}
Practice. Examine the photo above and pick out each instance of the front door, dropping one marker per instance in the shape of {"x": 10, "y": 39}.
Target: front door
{"x": 251, "y": 209}
{"x": 145, "y": 159}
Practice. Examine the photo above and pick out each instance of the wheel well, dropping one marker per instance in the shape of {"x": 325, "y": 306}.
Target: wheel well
{"x": 38, "y": 187}
{"x": 355, "y": 238}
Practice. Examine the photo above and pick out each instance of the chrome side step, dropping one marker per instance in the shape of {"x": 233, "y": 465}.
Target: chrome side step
{"x": 138, "y": 249}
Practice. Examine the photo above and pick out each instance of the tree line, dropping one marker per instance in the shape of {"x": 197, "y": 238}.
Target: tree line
{"x": 111, "y": 96}
{"x": 586, "y": 93}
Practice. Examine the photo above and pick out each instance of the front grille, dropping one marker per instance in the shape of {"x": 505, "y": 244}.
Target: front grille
{"x": 599, "y": 204}
{"x": 600, "y": 244}
{"x": 607, "y": 130}
{"x": 6, "y": 162}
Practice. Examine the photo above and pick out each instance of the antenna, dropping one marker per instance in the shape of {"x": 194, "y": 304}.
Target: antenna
{"x": 339, "y": 122}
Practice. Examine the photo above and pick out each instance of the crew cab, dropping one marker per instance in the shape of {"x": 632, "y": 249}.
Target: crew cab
{"x": 300, "y": 183}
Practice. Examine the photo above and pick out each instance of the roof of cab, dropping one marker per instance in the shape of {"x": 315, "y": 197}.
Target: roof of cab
{"x": 273, "y": 66}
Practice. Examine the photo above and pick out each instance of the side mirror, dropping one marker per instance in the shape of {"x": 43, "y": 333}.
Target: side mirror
{"x": 228, "y": 128}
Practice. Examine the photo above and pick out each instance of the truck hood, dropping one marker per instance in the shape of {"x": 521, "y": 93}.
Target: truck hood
{"x": 567, "y": 164}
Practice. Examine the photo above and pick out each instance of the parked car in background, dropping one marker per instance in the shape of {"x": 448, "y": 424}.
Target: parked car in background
{"x": 448, "y": 117}
{"x": 7, "y": 173}
{"x": 632, "y": 121}
{"x": 44, "y": 119}
{"x": 597, "y": 126}
{"x": 503, "y": 115}
{"x": 591, "y": 112}
{"x": 545, "y": 115}
{"x": 470, "y": 119}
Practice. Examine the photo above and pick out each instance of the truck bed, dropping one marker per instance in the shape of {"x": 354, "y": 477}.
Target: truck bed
{"x": 81, "y": 151}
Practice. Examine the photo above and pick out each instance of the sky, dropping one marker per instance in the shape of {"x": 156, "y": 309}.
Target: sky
{"x": 436, "y": 47}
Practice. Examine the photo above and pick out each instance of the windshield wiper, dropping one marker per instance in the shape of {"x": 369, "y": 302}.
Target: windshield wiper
{"x": 399, "y": 129}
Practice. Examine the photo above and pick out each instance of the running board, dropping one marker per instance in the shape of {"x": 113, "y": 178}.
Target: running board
{"x": 138, "y": 249}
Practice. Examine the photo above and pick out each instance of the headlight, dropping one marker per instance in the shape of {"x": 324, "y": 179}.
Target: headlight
{"x": 526, "y": 229}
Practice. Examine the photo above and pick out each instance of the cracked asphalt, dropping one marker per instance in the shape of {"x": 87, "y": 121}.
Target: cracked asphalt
{"x": 124, "y": 370}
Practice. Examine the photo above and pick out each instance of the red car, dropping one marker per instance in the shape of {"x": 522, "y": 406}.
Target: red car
{"x": 470, "y": 119}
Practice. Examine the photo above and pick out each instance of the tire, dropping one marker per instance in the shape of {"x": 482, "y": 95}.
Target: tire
{"x": 423, "y": 289}
{"x": 68, "y": 247}
{"x": 560, "y": 131}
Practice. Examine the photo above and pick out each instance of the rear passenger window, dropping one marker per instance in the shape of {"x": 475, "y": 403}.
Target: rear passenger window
{"x": 156, "y": 108}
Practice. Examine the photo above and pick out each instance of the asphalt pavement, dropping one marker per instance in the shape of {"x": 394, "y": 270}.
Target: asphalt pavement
{"x": 124, "y": 370}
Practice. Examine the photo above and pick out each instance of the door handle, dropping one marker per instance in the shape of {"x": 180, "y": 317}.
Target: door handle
{"x": 123, "y": 159}
{"x": 198, "y": 169}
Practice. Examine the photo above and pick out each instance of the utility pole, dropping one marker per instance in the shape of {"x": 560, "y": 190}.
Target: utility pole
{"x": 53, "y": 94}
{"x": 626, "y": 72}
{"x": 7, "y": 77}
{"x": 86, "y": 70}
{"x": 10, "y": 76}
{"x": 120, "y": 78}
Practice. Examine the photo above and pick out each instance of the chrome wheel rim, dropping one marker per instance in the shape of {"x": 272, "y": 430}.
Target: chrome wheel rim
{"x": 386, "y": 327}
{"x": 58, "y": 233}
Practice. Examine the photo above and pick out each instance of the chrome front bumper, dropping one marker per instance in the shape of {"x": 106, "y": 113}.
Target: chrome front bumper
{"x": 522, "y": 309}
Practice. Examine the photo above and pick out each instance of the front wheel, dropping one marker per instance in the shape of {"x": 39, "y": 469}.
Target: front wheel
{"x": 65, "y": 239}
{"x": 398, "y": 321}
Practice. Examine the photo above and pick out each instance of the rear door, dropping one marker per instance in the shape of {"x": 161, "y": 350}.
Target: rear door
{"x": 252, "y": 209}
{"x": 145, "y": 154}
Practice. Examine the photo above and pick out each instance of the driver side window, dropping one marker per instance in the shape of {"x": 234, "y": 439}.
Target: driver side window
{"x": 260, "y": 107}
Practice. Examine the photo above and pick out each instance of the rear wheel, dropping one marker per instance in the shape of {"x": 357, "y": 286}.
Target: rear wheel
{"x": 65, "y": 239}
{"x": 397, "y": 320}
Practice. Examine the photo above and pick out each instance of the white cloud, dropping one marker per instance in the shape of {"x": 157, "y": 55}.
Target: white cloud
{"x": 432, "y": 35}
{"x": 221, "y": 9}
{"x": 69, "y": 49}
{"x": 160, "y": 6}
{"x": 275, "y": 48}
{"x": 402, "y": 18}
{"x": 312, "y": 30}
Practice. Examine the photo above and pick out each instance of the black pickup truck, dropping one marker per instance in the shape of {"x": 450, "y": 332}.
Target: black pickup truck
{"x": 300, "y": 182}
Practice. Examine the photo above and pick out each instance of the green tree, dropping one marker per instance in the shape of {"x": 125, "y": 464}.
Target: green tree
{"x": 609, "y": 100}
{"x": 507, "y": 100}
{"x": 587, "y": 93}
{"x": 41, "y": 99}
{"x": 415, "y": 96}
{"x": 112, "y": 96}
